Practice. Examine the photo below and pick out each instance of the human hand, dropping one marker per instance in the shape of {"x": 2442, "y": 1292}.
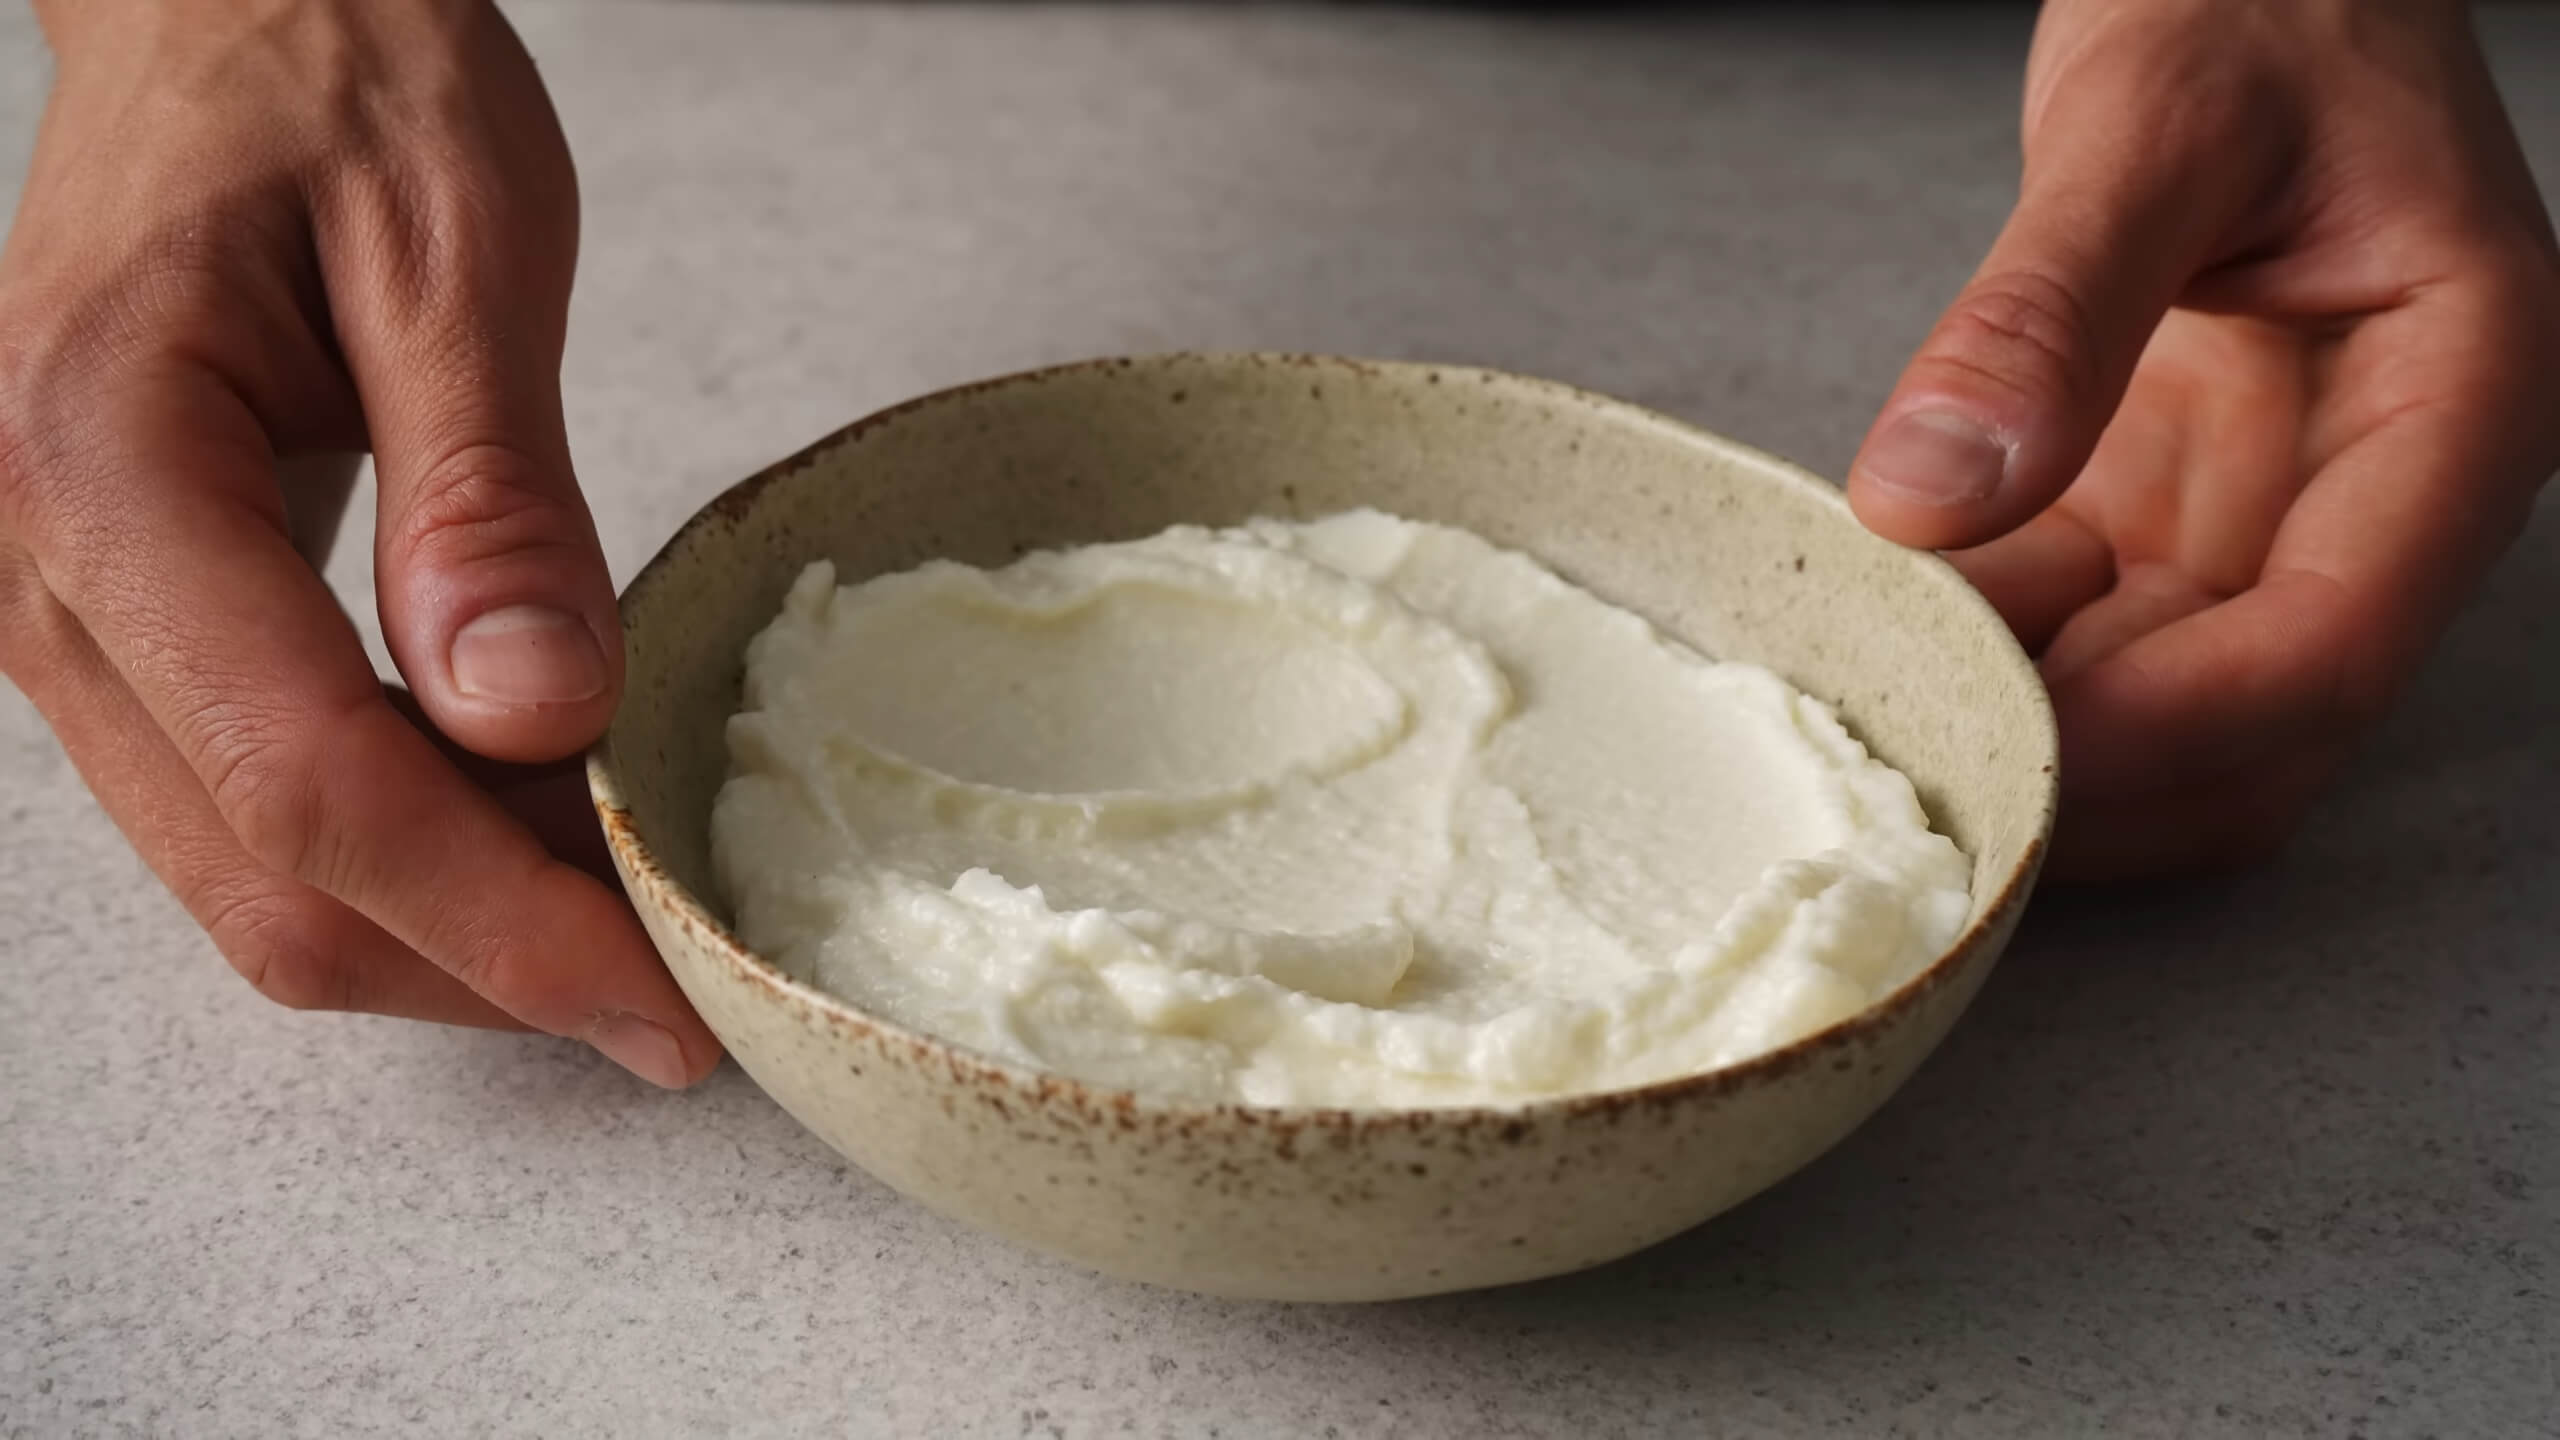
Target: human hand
{"x": 262, "y": 229}
{"x": 2232, "y": 533}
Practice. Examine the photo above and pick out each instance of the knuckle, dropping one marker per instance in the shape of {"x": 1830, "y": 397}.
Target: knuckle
{"x": 257, "y": 769}
{"x": 493, "y": 970}
{"x": 271, "y": 938}
{"x": 86, "y": 357}
{"x": 466, "y": 241}
{"x": 2226, "y": 83}
{"x": 487, "y": 499}
{"x": 17, "y": 443}
{"x": 2024, "y": 332}
{"x": 449, "y": 216}
{"x": 274, "y": 814}
{"x": 36, "y": 632}
{"x": 496, "y": 961}
{"x": 452, "y": 219}
{"x": 25, "y": 437}
{"x": 474, "y": 200}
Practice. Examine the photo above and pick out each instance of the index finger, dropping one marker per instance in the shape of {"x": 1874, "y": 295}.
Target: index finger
{"x": 174, "y": 557}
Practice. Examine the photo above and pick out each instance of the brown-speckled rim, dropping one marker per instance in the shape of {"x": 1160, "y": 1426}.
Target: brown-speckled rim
{"x": 1043, "y": 1087}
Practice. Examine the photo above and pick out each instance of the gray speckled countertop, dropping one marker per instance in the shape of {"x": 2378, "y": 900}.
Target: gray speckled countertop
{"x": 2279, "y": 1156}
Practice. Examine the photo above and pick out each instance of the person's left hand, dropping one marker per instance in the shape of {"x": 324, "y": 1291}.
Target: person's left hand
{"x": 254, "y": 234}
{"x": 2261, "y": 377}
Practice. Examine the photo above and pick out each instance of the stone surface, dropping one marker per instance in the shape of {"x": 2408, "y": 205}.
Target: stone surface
{"x": 2276, "y": 1156}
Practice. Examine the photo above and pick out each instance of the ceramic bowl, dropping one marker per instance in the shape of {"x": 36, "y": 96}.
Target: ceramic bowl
{"x": 1742, "y": 555}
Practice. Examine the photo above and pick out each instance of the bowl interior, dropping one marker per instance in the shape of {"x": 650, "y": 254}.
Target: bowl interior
{"x": 1741, "y": 555}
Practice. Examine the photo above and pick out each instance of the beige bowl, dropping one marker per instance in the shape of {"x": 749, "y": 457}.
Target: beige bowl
{"x": 1740, "y": 554}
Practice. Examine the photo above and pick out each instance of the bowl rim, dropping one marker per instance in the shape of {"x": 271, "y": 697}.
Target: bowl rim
{"x": 1038, "y": 1086}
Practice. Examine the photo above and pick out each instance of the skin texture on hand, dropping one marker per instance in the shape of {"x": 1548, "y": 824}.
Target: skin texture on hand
{"x": 2251, "y": 391}
{"x": 253, "y": 232}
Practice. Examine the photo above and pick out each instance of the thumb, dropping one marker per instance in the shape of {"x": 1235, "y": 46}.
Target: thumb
{"x": 496, "y": 603}
{"x": 1996, "y": 415}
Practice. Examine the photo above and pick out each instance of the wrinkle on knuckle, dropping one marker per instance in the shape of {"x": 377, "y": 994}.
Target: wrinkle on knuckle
{"x": 491, "y": 968}
{"x": 477, "y": 205}
{"x": 438, "y": 231}
{"x": 494, "y": 958}
{"x": 192, "y": 290}
{"x": 36, "y": 630}
{"x": 2024, "y": 332}
{"x": 271, "y": 938}
{"x": 79, "y": 538}
{"x": 483, "y": 500}
{"x": 447, "y": 215}
{"x": 37, "y": 368}
{"x": 460, "y": 248}
{"x": 433, "y": 229}
{"x": 156, "y": 340}
{"x": 259, "y": 759}
{"x": 268, "y": 801}
{"x": 21, "y": 442}
{"x": 2226, "y": 82}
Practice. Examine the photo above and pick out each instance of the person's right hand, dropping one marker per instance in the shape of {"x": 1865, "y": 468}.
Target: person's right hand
{"x": 259, "y": 229}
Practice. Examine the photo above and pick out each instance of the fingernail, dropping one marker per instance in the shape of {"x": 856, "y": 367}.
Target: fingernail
{"x": 640, "y": 1046}
{"x": 1936, "y": 457}
{"x": 527, "y": 655}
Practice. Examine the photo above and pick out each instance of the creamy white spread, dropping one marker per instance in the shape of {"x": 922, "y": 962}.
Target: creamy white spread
{"x": 1354, "y": 812}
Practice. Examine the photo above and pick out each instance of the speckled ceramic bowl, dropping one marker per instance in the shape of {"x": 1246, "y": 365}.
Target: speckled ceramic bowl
{"x": 1738, "y": 553}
